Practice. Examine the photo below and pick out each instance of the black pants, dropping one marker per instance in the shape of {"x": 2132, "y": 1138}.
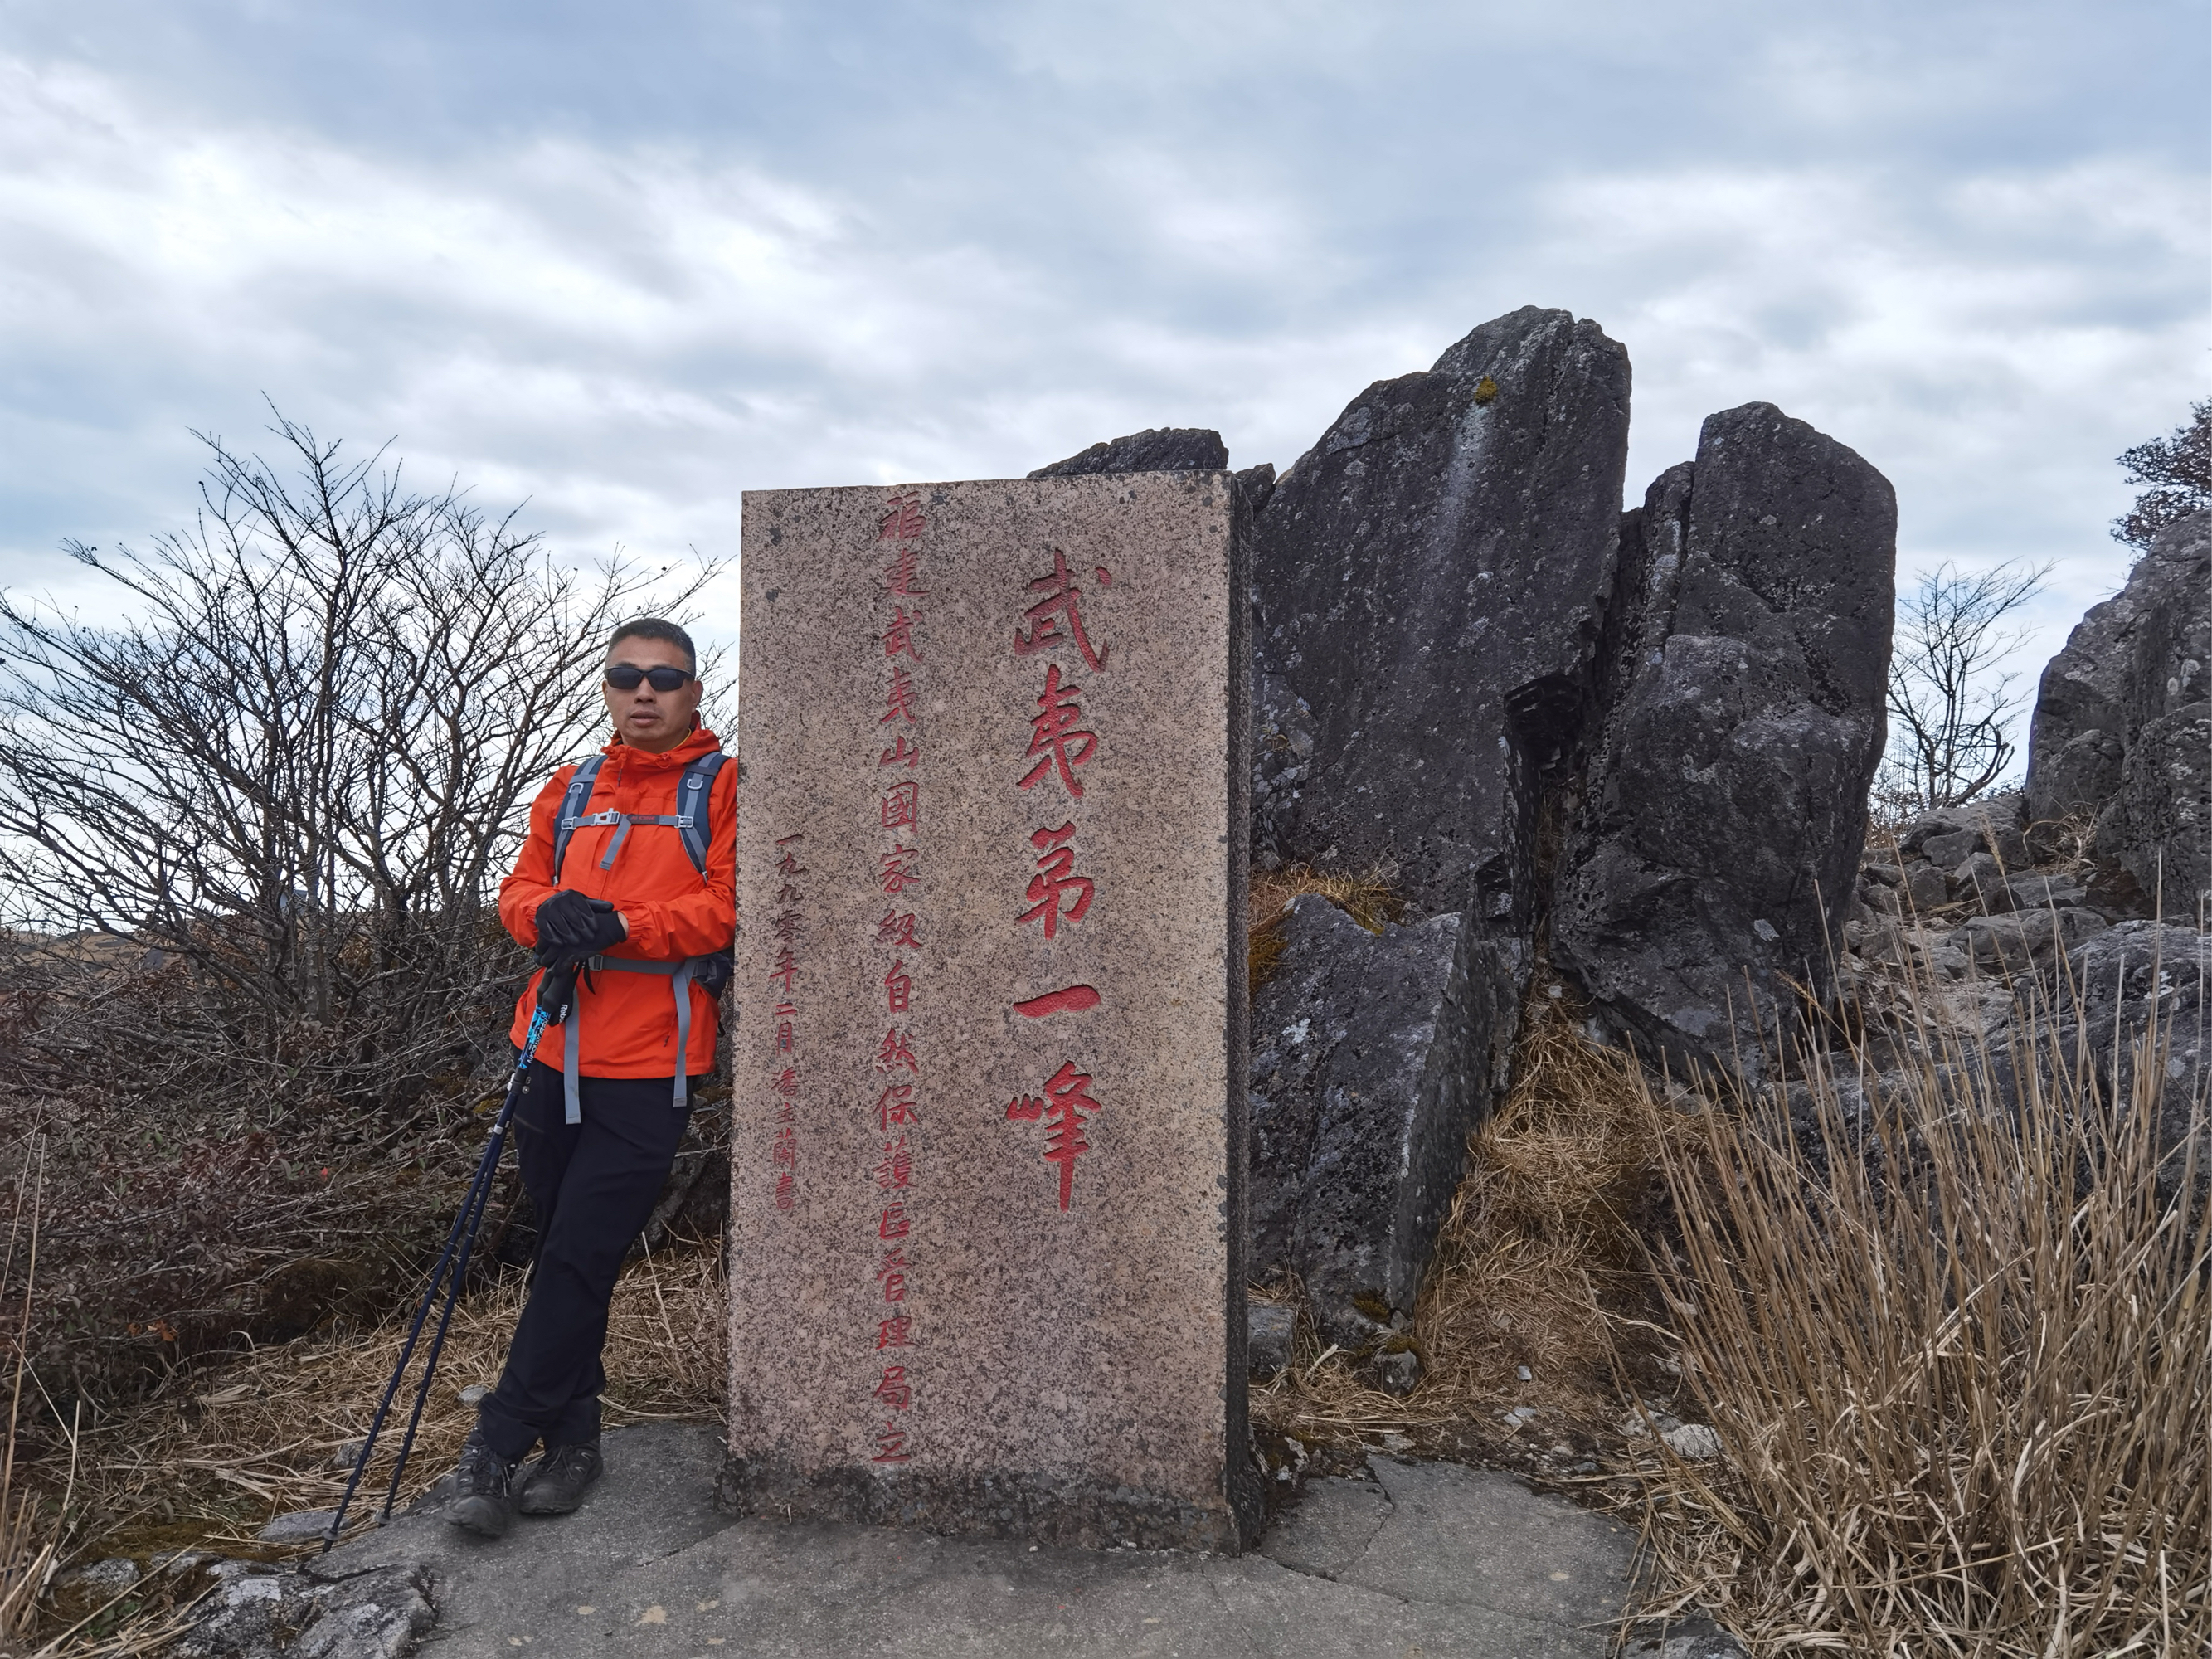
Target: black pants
{"x": 593, "y": 1185}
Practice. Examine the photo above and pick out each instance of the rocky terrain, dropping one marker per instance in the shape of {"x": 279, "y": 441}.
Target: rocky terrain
{"x": 1626, "y": 757}
{"x": 1637, "y": 746}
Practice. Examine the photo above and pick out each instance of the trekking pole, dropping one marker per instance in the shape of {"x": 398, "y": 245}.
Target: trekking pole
{"x": 554, "y": 994}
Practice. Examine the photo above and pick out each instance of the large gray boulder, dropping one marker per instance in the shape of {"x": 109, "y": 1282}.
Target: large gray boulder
{"x": 1715, "y": 854}
{"x": 1429, "y": 582}
{"x": 2123, "y": 728}
{"x": 1367, "y": 1075}
{"x": 1156, "y": 449}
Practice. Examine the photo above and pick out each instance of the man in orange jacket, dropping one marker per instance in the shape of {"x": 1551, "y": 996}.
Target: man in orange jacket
{"x": 630, "y": 869}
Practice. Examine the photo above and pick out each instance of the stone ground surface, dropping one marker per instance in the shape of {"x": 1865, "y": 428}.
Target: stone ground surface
{"x": 1423, "y": 1559}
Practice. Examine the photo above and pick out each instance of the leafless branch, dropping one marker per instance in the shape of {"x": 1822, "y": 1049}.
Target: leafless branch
{"x": 1949, "y": 703}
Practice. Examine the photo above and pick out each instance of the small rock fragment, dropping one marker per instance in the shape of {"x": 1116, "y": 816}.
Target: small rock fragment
{"x": 300, "y": 1527}
{"x": 1698, "y": 1637}
{"x": 1693, "y": 1442}
{"x": 1398, "y": 1373}
{"x": 1927, "y": 887}
{"x": 117, "y": 1573}
{"x": 1267, "y": 1341}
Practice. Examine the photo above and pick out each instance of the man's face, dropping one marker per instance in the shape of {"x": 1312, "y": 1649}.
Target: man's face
{"x": 655, "y": 721}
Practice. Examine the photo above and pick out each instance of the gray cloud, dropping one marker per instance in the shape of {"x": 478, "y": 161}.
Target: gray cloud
{"x": 628, "y": 262}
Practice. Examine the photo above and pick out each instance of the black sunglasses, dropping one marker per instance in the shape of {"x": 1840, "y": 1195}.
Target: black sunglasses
{"x": 624, "y": 677}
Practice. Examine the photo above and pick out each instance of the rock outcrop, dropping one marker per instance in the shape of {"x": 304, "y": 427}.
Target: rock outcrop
{"x": 1431, "y": 579}
{"x": 1365, "y": 1077}
{"x": 314, "y": 1612}
{"x": 1457, "y": 636}
{"x": 1156, "y": 449}
{"x": 1430, "y": 586}
{"x": 2122, "y": 733}
{"x": 1715, "y": 854}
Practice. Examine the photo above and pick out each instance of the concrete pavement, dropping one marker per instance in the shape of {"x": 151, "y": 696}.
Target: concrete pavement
{"x": 1424, "y": 1559}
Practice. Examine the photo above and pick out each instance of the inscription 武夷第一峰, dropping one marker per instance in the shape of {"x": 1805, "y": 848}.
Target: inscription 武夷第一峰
{"x": 1059, "y": 743}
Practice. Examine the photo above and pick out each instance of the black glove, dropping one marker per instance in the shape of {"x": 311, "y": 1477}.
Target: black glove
{"x": 712, "y": 975}
{"x": 571, "y": 927}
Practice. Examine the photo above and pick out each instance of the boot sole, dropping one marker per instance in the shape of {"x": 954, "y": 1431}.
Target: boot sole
{"x": 484, "y": 1516}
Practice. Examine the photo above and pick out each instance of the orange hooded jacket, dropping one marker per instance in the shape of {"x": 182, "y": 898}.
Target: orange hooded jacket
{"x": 628, "y": 1020}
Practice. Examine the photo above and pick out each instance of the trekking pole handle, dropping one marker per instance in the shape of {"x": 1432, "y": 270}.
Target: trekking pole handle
{"x": 556, "y": 992}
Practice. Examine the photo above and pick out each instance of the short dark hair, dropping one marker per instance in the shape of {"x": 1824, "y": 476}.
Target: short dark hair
{"x": 653, "y": 628}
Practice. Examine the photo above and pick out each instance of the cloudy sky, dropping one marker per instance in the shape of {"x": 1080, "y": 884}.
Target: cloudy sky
{"x": 627, "y": 261}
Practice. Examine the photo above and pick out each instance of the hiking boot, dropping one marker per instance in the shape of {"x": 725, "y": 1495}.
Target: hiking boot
{"x": 555, "y": 1485}
{"x": 483, "y": 1490}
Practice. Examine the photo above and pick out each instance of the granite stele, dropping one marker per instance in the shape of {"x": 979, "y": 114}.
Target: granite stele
{"x": 987, "y": 1221}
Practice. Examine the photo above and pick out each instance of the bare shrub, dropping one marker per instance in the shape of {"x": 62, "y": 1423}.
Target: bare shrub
{"x": 294, "y": 767}
{"x": 251, "y": 819}
{"x": 1949, "y": 705}
{"x": 1957, "y": 1349}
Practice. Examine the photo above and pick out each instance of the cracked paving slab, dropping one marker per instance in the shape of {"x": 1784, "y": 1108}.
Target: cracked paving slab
{"x": 1426, "y": 1559}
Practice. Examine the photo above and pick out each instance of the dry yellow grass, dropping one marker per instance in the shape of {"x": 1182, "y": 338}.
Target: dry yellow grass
{"x": 206, "y": 1464}
{"x": 1958, "y": 1355}
{"x": 270, "y": 1433}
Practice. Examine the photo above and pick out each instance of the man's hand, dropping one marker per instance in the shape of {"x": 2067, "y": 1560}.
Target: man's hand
{"x": 571, "y": 927}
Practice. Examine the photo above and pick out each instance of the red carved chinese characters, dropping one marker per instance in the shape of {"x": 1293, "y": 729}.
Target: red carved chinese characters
{"x": 899, "y": 870}
{"x": 789, "y": 931}
{"x": 1056, "y": 890}
{"x": 899, "y": 636}
{"x": 1061, "y": 742}
{"x": 1061, "y": 606}
{"x": 901, "y": 521}
{"x": 901, "y": 805}
{"x": 897, "y": 1050}
{"x": 1054, "y": 735}
{"x": 894, "y": 1067}
{"x": 1067, "y": 1105}
{"x": 895, "y": 1108}
{"x": 898, "y": 703}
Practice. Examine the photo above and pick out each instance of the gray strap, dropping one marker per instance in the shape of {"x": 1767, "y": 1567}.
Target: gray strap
{"x": 683, "y": 984}
{"x": 624, "y": 820}
{"x": 622, "y": 834}
{"x": 571, "y": 1101}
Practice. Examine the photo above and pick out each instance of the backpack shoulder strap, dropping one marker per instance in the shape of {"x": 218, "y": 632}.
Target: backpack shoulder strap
{"x": 579, "y": 796}
{"x": 695, "y": 792}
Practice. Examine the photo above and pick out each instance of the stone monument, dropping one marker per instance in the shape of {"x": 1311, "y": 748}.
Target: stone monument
{"x": 988, "y": 1225}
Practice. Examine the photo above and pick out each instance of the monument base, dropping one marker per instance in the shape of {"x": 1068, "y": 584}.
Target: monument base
{"x": 1070, "y": 1511}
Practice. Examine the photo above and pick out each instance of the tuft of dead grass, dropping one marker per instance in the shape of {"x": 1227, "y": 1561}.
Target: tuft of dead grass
{"x": 1958, "y": 1350}
{"x": 1369, "y": 899}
